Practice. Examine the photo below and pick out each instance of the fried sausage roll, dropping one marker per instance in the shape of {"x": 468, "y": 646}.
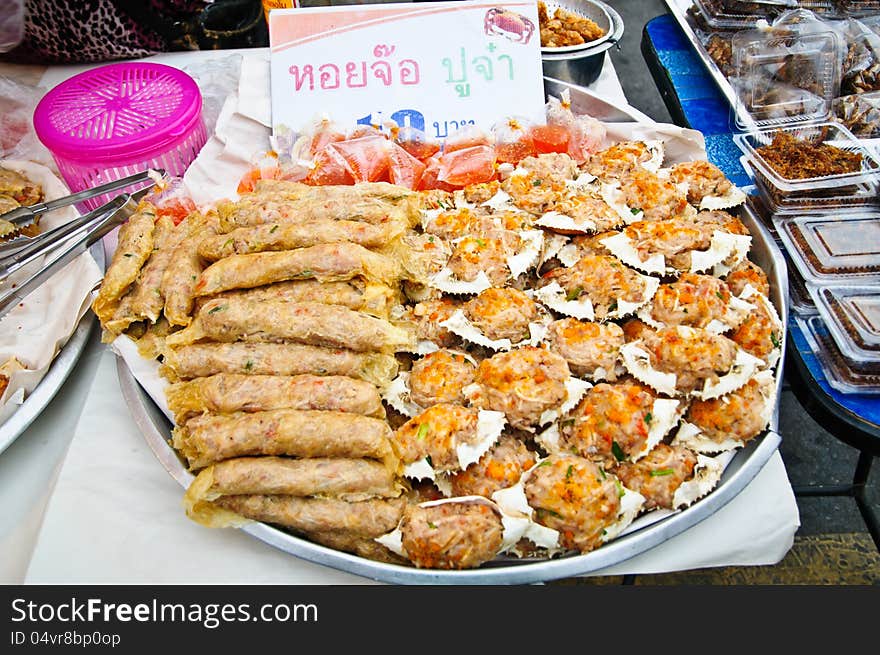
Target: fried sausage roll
{"x": 226, "y": 393}
{"x": 208, "y": 439}
{"x": 289, "y": 236}
{"x": 325, "y": 263}
{"x": 309, "y": 323}
{"x": 201, "y": 360}
{"x": 134, "y": 247}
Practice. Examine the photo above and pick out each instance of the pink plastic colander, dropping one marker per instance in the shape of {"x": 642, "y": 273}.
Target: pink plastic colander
{"x": 119, "y": 119}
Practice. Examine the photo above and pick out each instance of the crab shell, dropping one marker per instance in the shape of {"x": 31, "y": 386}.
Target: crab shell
{"x": 733, "y": 198}
{"x": 397, "y": 392}
{"x": 690, "y": 436}
{"x": 519, "y": 263}
{"x": 459, "y": 325}
{"x": 614, "y": 198}
{"x": 737, "y": 311}
{"x": 638, "y": 363}
{"x": 707, "y": 474}
{"x": 490, "y": 425}
{"x": 513, "y": 527}
{"x": 513, "y": 501}
{"x": 722, "y": 246}
{"x": 575, "y": 389}
{"x": 554, "y": 297}
{"x": 752, "y": 295}
{"x": 666, "y": 413}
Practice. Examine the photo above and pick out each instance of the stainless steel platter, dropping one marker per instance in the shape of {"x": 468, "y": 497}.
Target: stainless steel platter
{"x": 61, "y": 367}
{"x": 647, "y": 532}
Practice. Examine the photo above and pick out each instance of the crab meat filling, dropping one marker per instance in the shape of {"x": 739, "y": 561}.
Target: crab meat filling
{"x": 745, "y": 273}
{"x": 580, "y": 213}
{"x": 583, "y": 245}
{"x": 741, "y": 415}
{"x": 760, "y": 334}
{"x": 694, "y": 300}
{"x": 694, "y": 356}
{"x": 477, "y": 194}
{"x": 486, "y": 254}
{"x": 591, "y": 349}
{"x": 502, "y": 313}
{"x": 702, "y": 178}
{"x": 500, "y": 468}
{"x": 533, "y": 192}
{"x": 456, "y": 222}
{"x": 657, "y": 198}
{"x": 621, "y": 158}
{"x": 673, "y": 239}
{"x": 551, "y": 165}
{"x": 635, "y": 329}
{"x": 659, "y": 474}
{"x": 436, "y": 433}
{"x": 610, "y": 424}
{"x": 435, "y": 199}
{"x": 575, "y": 497}
{"x": 439, "y": 378}
{"x": 451, "y": 535}
{"x": 521, "y": 383}
{"x": 428, "y": 315}
{"x": 603, "y": 280}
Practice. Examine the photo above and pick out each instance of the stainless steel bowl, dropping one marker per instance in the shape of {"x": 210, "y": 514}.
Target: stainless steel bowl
{"x": 582, "y": 64}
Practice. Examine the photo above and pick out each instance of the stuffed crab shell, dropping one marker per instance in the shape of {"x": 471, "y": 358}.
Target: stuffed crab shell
{"x": 453, "y": 223}
{"x": 696, "y": 300}
{"x": 732, "y": 420}
{"x": 528, "y": 385}
{"x": 580, "y": 212}
{"x": 761, "y": 333}
{"x": 445, "y": 438}
{"x": 591, "y": 349}
{"x": 576, "y": 498}
{"x": 680, "y": 360}
{"x": 597, "y": 287}
{"x": 651, "y": 196}
{"x": 676, "y": 245}
{"x": 613, "y": 423}
{"x": 624, "y": 157}
{"x": 705, "y": 185}
{"x": 670, "y": 477}
{"x": 488, "y": 259}
{"x": 501, "y": 467}
{"x": 454, "y": 533}
{"x": 499, "y": 318}
{"x": 436, "y": 378}
{"x": 532, "y": 191}
{"x": 747, "y": 273}
{"x": 427, "y": 317}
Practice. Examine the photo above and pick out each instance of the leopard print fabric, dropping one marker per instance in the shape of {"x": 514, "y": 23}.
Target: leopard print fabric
{"x": 81, "y": 31}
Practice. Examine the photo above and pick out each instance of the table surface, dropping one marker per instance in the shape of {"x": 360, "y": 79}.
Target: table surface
{"x": 696, "y": 101}
{"x": 85, "y": 500}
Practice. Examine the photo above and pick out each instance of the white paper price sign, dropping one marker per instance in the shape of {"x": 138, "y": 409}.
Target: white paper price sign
{"x": 436, "y": 67}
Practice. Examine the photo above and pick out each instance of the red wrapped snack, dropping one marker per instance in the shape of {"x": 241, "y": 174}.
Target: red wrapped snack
{"x": 329, "y": 168}
{"x": 404, "y": 169}
{"x": 468, "y": 166}
{"x": 366, "y": 159}
{"x": 513, "y": 141}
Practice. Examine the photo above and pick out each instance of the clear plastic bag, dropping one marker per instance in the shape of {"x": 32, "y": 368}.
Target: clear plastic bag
{"x": 11, "y": 24}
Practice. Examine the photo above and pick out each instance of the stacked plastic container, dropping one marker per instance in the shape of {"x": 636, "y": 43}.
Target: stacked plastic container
{"x": 828, "y": 225}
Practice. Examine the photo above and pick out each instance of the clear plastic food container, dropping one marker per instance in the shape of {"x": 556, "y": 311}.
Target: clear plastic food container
{"x": 851, "y": 199}
{"x": 832, "y": 248}
{"x": 715, "y": 16}
{"x": 842, "y": 374}
{"x": 824, "y": 133}
{"x": 852, "y": 315}
{"x": 800, "y": 300}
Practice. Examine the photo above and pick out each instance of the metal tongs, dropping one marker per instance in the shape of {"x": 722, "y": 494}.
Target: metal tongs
{"x": 23, "y": 216}
{"x": 66, "y": 242}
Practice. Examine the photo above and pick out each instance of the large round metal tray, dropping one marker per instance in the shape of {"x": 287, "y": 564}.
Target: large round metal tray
{"x": 645, "y": 533}
{"x": 61, "y": 367}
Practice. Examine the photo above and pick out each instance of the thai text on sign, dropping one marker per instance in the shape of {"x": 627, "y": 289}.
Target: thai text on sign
{"x": 435, "y": 67}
